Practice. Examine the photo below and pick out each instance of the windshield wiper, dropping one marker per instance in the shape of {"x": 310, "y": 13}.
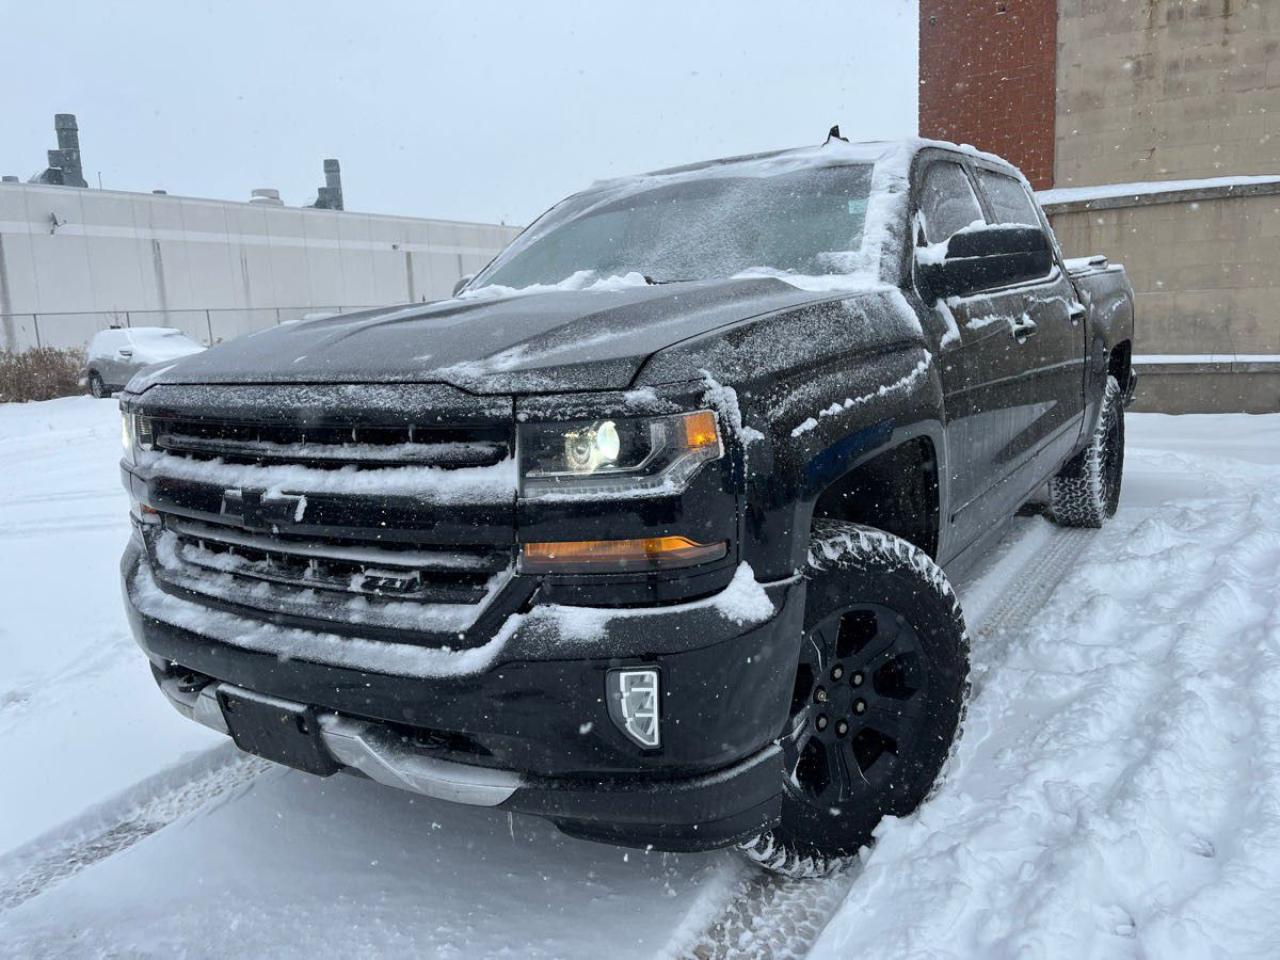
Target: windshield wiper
{"x": 656, "y": 283}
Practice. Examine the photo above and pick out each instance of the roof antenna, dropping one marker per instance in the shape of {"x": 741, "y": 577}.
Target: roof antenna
{"x": 834, "y": 134}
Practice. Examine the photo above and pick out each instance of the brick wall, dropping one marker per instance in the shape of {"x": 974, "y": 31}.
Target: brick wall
{"x": 987, "y": 73}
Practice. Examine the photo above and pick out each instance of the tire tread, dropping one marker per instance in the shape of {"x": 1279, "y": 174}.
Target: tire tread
{"x": 1077, "y": 495}
{"x": 837, "y": 543}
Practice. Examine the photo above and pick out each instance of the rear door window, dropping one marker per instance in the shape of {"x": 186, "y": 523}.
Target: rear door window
{"x": 1009, "y": 199}
{"x": 947, "y": 201}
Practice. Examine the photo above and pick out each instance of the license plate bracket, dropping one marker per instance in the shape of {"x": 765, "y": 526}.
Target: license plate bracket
{"x": 278, "y": 730}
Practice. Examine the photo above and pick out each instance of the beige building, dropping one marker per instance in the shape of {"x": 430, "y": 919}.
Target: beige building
{"x": 1156, "y": 91}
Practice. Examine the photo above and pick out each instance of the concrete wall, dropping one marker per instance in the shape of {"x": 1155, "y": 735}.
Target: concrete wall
{"x": 1206, "y": 272}
{"x": 1208, "y": 388}
{"x": 1166, "y": 90}
{"x": 167, "y": 259}
{"x": 1206, "y": 275}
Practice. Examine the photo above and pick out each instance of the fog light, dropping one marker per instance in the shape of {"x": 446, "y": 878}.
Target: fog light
{"x": 633, "y": 704}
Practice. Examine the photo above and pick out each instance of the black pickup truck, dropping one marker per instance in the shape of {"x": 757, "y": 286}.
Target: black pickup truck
{"x": 644, "y": 531}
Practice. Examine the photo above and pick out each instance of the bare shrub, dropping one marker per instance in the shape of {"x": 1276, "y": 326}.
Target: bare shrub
{"x": 40, "y": 374}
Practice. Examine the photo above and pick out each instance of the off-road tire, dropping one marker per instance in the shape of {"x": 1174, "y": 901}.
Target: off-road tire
{"x": 871, "y": 584}
{"x": 97, "y": 388}
{"x": 1086, "y": 491}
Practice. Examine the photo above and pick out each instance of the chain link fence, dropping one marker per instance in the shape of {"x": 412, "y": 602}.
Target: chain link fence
{"x": 23, "y": 331}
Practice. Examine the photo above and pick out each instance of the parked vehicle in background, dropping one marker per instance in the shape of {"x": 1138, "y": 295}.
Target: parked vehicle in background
{"x": 645, "y": 530}
{"x": 116, "y": 354}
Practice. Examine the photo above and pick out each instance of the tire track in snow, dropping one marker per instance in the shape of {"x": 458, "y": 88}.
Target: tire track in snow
{"x": 147, "y": 808}
{"x": 768, "y": 916}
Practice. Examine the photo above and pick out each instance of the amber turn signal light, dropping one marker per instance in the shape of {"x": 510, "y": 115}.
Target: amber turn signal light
{"x": 649, "y": 553}
{"x": 700, "y": 430}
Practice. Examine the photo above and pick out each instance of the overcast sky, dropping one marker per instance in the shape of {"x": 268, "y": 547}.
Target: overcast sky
{"x": 470, "y": 111}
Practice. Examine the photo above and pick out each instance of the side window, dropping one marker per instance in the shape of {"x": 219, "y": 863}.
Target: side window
{"x": 1009, "y": 199}
{"x": 947, "y": 201}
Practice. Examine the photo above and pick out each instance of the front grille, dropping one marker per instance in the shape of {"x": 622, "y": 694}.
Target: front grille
{"x": 405, "y": 526}
{"x": 331, "y": 445}
{"x": 383, "y": 572}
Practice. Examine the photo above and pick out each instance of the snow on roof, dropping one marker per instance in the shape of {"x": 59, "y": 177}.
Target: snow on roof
{"x": 832, "y": 153}
{"x": 1108, "y": 191}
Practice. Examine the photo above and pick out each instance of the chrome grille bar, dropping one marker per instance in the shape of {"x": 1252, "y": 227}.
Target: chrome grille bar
{"x": 478, "y": 453}
{"x": 458, "y": 561}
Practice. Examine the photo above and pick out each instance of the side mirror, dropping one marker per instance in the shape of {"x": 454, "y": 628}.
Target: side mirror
{"x": 462, "y": 283}
{"x": 983, "y": 257}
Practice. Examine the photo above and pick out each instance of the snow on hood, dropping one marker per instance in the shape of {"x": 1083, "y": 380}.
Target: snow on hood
{"x": 581, "y": 280}
{"x": 553, "y": 340}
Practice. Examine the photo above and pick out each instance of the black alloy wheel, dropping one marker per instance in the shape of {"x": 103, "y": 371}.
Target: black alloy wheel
{"x": 880, "y": 684}
{"x": 860, "y": 701}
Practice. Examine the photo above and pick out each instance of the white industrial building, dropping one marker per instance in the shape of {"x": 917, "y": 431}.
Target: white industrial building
{"x": 76, "y": 260}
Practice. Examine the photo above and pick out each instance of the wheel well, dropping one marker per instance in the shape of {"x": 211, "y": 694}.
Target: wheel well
{"x": 1120, "y": 362}
{"x": 895, "y": 491}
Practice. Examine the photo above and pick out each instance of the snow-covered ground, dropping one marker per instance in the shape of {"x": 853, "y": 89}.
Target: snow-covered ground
{"x": 1117, "y": 791}
{"x": 79, "y": 720}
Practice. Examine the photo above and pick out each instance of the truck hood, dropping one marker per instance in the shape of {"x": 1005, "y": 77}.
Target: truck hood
{"x": 533, "y": 343}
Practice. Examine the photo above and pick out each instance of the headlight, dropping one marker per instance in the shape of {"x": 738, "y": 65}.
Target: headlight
{"x": 135, "y": 434}
{"x": 622, "y": 457}
{"x": 126, "y": 435}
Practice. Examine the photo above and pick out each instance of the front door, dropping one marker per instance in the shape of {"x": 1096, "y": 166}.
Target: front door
{"x": 1012, "y": 374}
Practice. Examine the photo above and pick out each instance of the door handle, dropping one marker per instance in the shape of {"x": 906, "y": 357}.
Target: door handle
{"x": 1022, "y": 328}
{"x": 1077, "y": 311}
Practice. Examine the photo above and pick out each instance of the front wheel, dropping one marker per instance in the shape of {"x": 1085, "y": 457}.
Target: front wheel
{"x": 97, "y": 388}
{"x": 878, "y": 695}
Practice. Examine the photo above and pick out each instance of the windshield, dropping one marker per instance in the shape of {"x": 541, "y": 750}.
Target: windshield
{"x": 806, "y": 222}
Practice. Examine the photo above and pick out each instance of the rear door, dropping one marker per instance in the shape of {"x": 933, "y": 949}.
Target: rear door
{"x": 1052, "y": 346}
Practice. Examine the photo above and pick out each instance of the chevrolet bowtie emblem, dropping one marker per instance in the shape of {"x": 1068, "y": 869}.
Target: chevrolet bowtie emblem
{"x": 256, "y": 510}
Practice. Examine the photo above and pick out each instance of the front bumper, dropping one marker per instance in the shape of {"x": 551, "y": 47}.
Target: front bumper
{"x": 531, "y": 731}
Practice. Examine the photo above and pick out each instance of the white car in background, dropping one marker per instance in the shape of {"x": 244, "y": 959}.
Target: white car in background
{"x": 117, "y": 354}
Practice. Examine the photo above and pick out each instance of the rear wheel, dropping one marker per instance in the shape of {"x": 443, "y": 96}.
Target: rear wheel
{"x": 97, "y": 387}
{"x": 877, "y": 701}
{"x": 1086, "y": 491}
